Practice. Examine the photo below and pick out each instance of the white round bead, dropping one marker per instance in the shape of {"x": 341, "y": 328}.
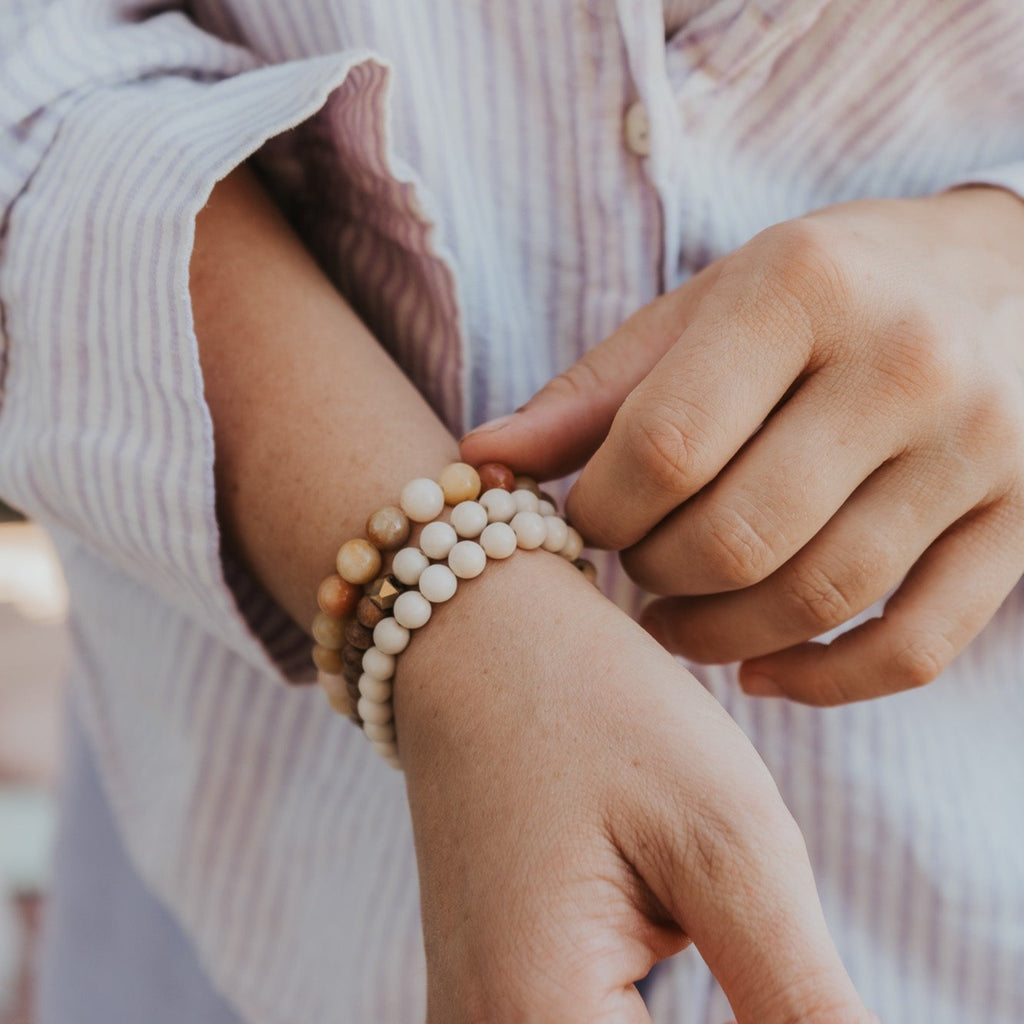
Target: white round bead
{"x": 422, "y": 500}
{"x": 376, "y": 733}
{"x": 498, "y": 540}
{"x": 573, "y": 547}
{"x": 546, "y": 508}
{"x": 529, "y": 529}
{"x": 377, "y": 690}
{"x": 390, "y": 637}
{"x": 557, "y": 533}
{"x": 373, "y": 711}
{"x": 437, "y": 539}
{"x": 500, "y": 505}
{"x": 469, "y": 518}
{"x": 526, "y": 501}
{"x": 378, "y": 664}
{"x": 467, "y": 559}
{"x": 438, "y": 584}
{"x": 412, "y": 609}
{"x": 407, "y": 565}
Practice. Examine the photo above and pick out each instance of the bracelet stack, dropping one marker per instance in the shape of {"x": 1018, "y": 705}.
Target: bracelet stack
{"x": 369, "y": 609}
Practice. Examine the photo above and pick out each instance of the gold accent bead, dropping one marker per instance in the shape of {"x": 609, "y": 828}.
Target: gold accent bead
{"x": 384, "y": 591}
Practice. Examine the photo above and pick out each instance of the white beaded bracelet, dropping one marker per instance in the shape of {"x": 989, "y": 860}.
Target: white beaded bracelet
{"x": 509, "y": 515}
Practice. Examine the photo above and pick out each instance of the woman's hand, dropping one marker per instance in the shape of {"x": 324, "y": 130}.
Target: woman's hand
{"x": 834, "y": 410}
{"x": 581, "y": 804}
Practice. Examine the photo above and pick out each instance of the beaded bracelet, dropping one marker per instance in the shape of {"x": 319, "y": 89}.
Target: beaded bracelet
{"x": 367, "y": 616}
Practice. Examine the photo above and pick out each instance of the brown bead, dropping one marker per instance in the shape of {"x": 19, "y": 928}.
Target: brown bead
{"x": 460, "y": 482}
{"x": 388, "y": 528}
{"x": 352, "y": 657}
{"x": 353, "y": 699}
{"x": 545, "y": 496}
{"x": 328, "y": 631}
{"x": 328, "y": 659}
{"x": 358, "y": 635}
{"x": 383, "y": 592}
{"x": 527, "y": 483}
{"x": 494, "y": 474}
{"x": 352, "y": 674}
{"x": 358, "y": 561}
{"x": 368, "y": 613}
{"x": 588, "y": 569}
{"x": 338, "y": 597}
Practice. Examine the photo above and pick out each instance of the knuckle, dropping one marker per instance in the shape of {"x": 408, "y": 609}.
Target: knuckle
{"x": 736, "y": 551}
{"x": 665, "y": 444}
{"x": 579, "y": 381}
{"x": 919, "y": 361}
{"x": 819, "y": 601}
{"x": 920, "y": 660}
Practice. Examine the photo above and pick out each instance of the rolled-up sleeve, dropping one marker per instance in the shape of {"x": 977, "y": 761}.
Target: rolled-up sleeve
{"x": 115, "y": 126}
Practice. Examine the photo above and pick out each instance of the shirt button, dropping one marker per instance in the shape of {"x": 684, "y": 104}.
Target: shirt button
{"x": 637, "y": 130}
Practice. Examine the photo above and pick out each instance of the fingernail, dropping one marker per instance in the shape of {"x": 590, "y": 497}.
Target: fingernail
{"x": 491, "y": 426}
{"x": 760, "y": 686}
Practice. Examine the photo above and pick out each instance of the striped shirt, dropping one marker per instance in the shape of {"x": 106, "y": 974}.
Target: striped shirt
{"x": 494, "y": 187}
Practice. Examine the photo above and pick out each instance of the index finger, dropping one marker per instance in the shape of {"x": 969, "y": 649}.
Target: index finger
{"x": 746, "y": 344}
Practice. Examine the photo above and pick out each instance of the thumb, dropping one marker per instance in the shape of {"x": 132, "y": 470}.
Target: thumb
{"x": 566, "y": 421}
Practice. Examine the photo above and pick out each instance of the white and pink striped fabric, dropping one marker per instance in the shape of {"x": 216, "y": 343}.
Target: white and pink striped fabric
{"x": 461, "y": 170}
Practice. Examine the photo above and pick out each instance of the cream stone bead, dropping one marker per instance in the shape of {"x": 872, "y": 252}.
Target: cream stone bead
{"x": 390, "y": 637}
{"x": 328, "y": 632}
{"x": 527, "y": 483}
{"x": 438, "y": 584}
{"x": 526, "y": 501}
{"x": 557, "y": 533}
{"x": 500, "y": 505}
{"x": 469, "y": 519}
{"x": 467, "y": 559}
{"x": 573, "y": 545}
{"x": 358, "y": 561}
{"x": 378, "y": 664}
{"x": 422, "y": 500}
{"x": 373, "y": 711}
{"x": 546, "y": 507}
{"x": 459, "y": 482}
{"x": 377, "y": 733}
{"x": 498, "y": 540}
{"x": 412, "y": 610}
{"x": 437, "y": 539}
{"x": 529, "y": 529}
{"x": 336, "y": 689}
{"x": 377, "y": 690}
{"x": 408, "y": 564}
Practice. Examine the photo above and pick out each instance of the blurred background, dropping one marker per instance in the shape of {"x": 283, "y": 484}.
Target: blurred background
{"x": 33, "y": 656}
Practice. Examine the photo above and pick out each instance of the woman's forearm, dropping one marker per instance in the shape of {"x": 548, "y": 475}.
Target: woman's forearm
{"x": 314, "y": 425}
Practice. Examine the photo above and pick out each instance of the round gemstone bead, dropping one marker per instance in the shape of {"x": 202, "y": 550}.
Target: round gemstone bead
{"x": 526, "y": 501}
{"x": 328, "y": 659}
{"x": 388, "y": 528}
{"x": 573, "y": 545}
{"x": 407, "y": 565}
{"x": 374, "y": 711}
{"x": 378, "y": 690}
{"x": 588, "y": 569}
{"x": 358, "y": 635}
{"x": 527, "y": 483}
{"x": 338, "y": 597}
{"x": 546, "y": 507}
{"x": 469, "y": 519}
{"x": 467, "y": 559}
{"x": 353, "y": 658}
{"x": 557, "y": 533}
{"x": 438, "y": 584}
{"x": 422, "y": 500}
{"x": 530, "y": 530}
{"x": 336, "y": 690}
{"x": 459, "y": 482}
{"x": 437, "y": 539}
{"x": 495, "y": 475}
{"x": 328, "y": 631}
{"x": 412, "y": 610}
{"x": 376, "y": 733}
{"x": 498, "y": 540}
{"x": 390, "y": 637}
{"x": 499, "y": 504}
{"x": 389, "y": 751}
{"x": 368, "y": 614}
{"x": 378, "y": 664}
{"x": 358, "y": 561}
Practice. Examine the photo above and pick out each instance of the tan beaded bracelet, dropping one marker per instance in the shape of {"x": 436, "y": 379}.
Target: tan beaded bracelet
{"x": 367, "y": 616}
